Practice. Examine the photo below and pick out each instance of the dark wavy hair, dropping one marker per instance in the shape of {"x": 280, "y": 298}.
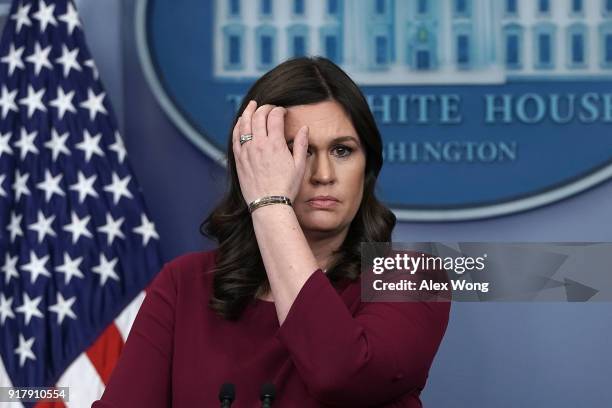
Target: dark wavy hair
{"x": 239, "y": 272}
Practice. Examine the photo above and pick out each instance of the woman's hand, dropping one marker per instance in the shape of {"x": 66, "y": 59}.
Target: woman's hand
{"x": 265, "y": 166}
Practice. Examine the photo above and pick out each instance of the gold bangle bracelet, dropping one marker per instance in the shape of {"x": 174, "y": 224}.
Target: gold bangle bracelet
{"x": 268, "y": 200}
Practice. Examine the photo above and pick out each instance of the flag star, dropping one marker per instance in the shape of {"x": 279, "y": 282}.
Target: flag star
{"x": 85, "y": 186}
{"x": 21, "y": 17}
{"x": 2, "y": 191}
{"x": 69, "y": 60}
{"x": 90, "y": 145}
{"x": 36, "y": 266}
{"x": 14, "y": 226}
{"x": 7, "y": 101}
{"x": 10, "y": 267}
{"x": 78, "y": 227}
{"x": 45, "y": 15}
{"x": 5, "y": 147}
{"x": 94, "y": 103}
{"x": 57, "y": 144}
{"x": 43, "y": 226}
{"x": 30, "y": 308}
{"x": 51, "y": 185}
{"x": 5, "y": 308}
{"x": 24, "y": 350}
{"x": 118, "y": 147}
{"x": 70, "y": 268}
{"x": 146, "y": 229}
{"x": 63, "y": 308}
{"x": 26, "y": 143}
{"x": 33, "y": 100}
{"x": 13, "y": 59}
{"x": 91, "y": 64}
{"x": 63, "y": 102}
{"x": 119, "y": 188}
{"x": 106, "y": 269}
{"x": 20, "y": 185}
{"x": 40, "y": 58}
{"x": 71, "y": 18}
{"x": 112, "y": 228}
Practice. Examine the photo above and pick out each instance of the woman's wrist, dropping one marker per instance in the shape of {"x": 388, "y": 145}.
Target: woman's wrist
{"x": 273, "y": 211}
{"x": 269, "y": 200}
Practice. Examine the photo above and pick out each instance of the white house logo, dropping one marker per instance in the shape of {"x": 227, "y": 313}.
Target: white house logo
{"x": 486, "y": 107}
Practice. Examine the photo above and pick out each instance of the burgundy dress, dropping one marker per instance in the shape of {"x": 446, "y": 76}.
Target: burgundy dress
{"x": 332, "y": 350}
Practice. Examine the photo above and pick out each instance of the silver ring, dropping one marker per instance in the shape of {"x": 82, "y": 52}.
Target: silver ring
{"x": 245, "y": 138}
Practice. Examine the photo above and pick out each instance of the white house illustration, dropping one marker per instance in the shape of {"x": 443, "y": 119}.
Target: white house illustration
{"x": 418, "y": 41}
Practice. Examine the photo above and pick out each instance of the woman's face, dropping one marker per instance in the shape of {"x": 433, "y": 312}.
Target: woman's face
{"x": 335, "y": 168}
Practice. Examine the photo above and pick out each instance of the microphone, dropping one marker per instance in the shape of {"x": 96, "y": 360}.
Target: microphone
{"x": 267, "y": 395}
{"x": 227, "y": 394}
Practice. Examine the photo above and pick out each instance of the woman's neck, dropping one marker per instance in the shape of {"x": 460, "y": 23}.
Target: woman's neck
{"x": 323, "y": 246}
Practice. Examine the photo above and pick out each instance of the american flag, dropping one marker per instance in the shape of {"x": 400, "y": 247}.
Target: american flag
{"x": 77, "y": 247}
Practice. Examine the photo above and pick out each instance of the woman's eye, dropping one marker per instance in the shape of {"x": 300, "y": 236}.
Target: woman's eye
{"x": 342, "y": 151}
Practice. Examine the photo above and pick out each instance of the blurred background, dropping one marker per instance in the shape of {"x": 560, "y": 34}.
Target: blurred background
{"x": 493, "y": 354}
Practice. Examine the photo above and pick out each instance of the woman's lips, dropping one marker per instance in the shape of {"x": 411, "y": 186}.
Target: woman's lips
{"x": 322, "y": 203}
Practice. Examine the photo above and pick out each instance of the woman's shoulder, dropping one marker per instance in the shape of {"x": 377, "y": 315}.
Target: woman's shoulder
{"x": 193, "y": 261}
{"x": 190, "y": 266}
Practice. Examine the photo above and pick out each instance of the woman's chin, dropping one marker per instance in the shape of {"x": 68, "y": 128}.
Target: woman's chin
{"x": 320, "y": 224}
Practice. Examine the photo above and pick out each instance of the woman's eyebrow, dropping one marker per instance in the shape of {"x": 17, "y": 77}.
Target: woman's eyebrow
{"x": 338, "y": 139}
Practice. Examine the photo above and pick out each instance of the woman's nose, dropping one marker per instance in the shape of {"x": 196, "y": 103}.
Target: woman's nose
{"x": 322, "y": 171}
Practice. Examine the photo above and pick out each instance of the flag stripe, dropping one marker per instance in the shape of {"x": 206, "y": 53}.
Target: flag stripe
{"x": 105, "y": 351}
{"x": 58, "y": 404}
{"x": 126, "y": 318}
{"x": 84, "y": 382}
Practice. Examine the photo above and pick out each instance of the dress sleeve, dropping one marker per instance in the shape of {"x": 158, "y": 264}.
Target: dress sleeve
{"x": 382, "y": 352}
{"x": 142, "y": 376}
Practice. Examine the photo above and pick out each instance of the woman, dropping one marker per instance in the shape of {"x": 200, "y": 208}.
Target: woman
{"x": 279, "y": 300}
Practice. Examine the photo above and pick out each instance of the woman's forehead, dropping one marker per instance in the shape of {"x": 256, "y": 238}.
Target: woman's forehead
{"x": 324, "y": 119}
